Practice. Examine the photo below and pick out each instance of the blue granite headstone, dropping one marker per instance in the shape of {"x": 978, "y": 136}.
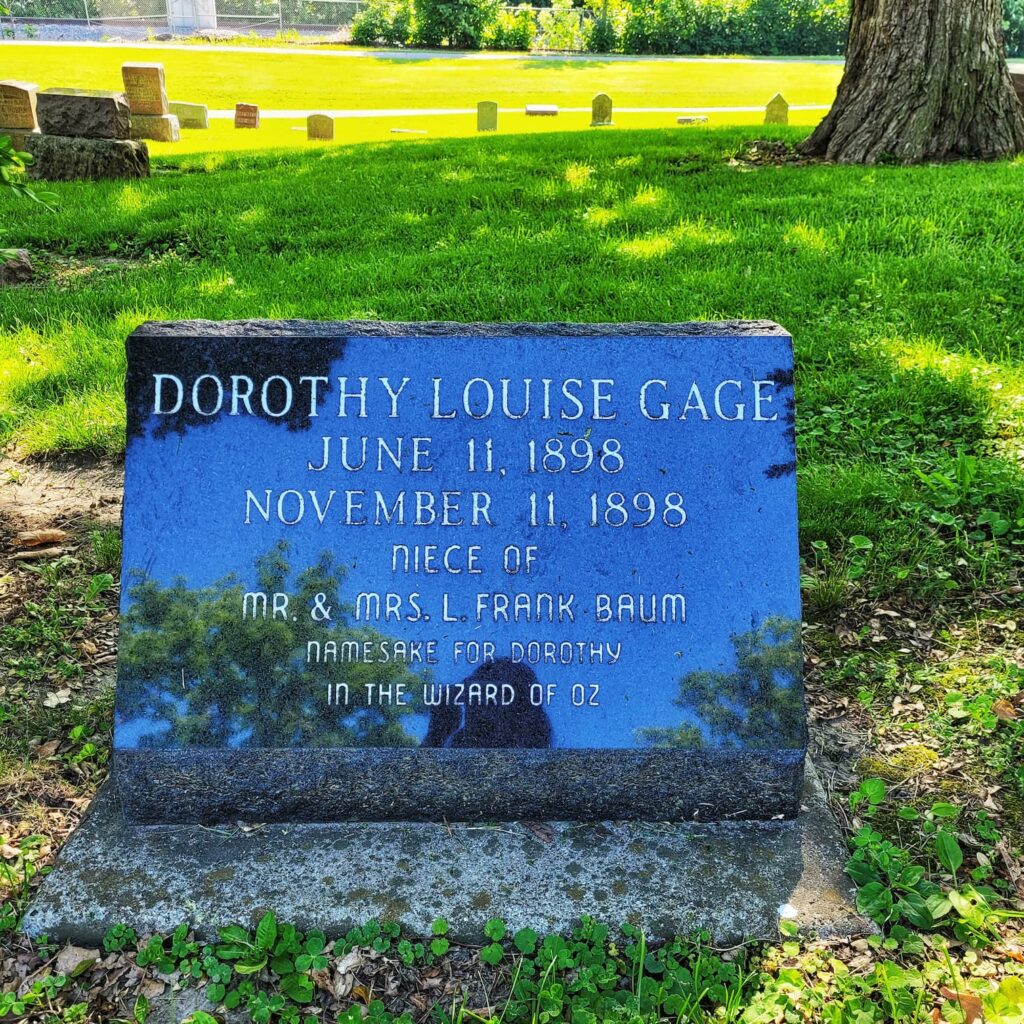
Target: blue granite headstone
{"x": 429, "y": 571}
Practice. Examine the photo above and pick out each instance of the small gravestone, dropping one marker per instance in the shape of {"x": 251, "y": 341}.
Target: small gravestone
{"x": 601, "y": 110}
{"x": 18, "y": 105}
{"x": 320, "y": 127}
{"x": 777, "y": 111}
{"x": 487, "y": 116}
{"x": 378, "y": 577}
{"x": 247, "y": 115}
{"x": 86, "y": 114}
{"x": 191, "y": 115}
{"x": 18, "y": 111}
{"x": 145, "y": 88}
{"x": 541, "y": 110}
{"x": 158, "y": 127}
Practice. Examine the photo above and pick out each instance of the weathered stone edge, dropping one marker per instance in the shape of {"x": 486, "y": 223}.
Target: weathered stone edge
{"x": 440, "y": 328}
{"x": 417, "y": 784}
{"x": 734, "y": 878}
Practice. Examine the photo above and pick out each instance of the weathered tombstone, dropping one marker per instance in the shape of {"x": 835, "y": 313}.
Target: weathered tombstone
{"x": 159, "y": 127}
{"x": 18, "y": 105}
{"x": 777, "y": 111}
{"x": 383, "y": 574}
{"x": 541, "y": 110}
{"x": 601, "y": 110}
{"x": 247, "y": 115}
{"x": 487, "y": 116}
{"x": 191, "y": 115}
{"x": 18, "y": 111}
{"x": 145, "y": 88}
{"x": 320, "y": 127}
{"x": 61, "y": 158}
{"x": 86, "y": 114}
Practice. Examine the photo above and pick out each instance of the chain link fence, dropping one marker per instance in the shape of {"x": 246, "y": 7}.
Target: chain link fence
{"x": 286, "y": 14}
{"x": 264, "y": 17}
{"x": 239, "y": 15}
{"x": 87, "y": 12}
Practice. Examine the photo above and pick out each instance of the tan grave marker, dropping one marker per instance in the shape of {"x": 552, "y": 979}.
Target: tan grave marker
{"x": 320, "y": 127}
{"x": 18, "y": 105}
{"x": 541, "y": 110}
{"x": 777, "y": 111}
{"x": 191, "y": 115}
{"x": 144, "y": 86}
{"x": 158, "y": 127}
{"x": 601, "y": 110}
{"x": 487, "y": 116}
{"x": 247, "y": 115}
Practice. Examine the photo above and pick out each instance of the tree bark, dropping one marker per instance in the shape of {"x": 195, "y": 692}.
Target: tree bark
{"x": 924, "y": 80}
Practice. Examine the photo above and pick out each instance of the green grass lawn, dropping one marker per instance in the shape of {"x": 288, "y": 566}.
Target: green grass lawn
{"x": 901, "y": 286}
{"x": 904, "y": 291}
{"x": 306, "y": 79}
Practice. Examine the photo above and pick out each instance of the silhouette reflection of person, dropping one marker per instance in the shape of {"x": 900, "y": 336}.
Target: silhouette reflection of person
{"x": 516, "y": 724}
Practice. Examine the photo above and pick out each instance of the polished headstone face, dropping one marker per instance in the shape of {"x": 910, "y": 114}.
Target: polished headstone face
{"x": 432, "y": 570}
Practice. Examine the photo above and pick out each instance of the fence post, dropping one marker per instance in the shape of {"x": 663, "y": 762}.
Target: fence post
{"x": 280, "y": 15}
{"x": 85, "y": 4}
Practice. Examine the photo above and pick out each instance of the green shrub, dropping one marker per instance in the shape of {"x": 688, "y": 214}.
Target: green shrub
{"x": 459, "y": 23}
{"x": 602, "y": 32}
{"x": 660, "y": 26}
{"x": 561, "y": 27}
{"x": 513, "y": 29}
{"x": 382, "y": 23}
{"x": 790, "y": 27}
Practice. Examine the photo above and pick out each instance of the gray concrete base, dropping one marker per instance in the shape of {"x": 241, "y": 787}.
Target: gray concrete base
{"x": 733, "y": 878}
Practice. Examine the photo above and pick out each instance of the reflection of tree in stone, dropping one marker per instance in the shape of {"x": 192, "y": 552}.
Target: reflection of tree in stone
{"x": 203, "y": 676}
{"x": 756, "y": 707}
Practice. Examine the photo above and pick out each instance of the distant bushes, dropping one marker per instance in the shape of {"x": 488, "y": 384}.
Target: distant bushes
{"x": 513, "y": 29}
{"x": 769, "y": 27}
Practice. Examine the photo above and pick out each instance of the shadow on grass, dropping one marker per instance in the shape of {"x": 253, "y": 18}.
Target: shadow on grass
{"x": 897, "y": 284}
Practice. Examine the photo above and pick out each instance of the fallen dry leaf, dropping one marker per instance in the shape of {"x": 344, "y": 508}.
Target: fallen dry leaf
{"x": 27, "y": 556}
{"x": 969, "y": 1003}
{"x": 36, "y": 538}
{"x": 1004, "y": 710}
{"x": 543, "y": 832}
{"x": 75, "y": 960}
{"x": 152, "y": 987}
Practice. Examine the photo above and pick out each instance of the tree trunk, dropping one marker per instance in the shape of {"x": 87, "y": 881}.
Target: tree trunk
{"x": 924, "y": 80}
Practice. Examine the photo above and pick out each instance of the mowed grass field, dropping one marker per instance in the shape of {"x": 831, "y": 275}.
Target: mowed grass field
{"x": 902, "y": 287}
{"x": 305, "y": 79}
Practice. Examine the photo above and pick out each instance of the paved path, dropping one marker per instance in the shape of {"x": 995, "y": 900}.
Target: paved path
{"x": 286, "y": 115}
